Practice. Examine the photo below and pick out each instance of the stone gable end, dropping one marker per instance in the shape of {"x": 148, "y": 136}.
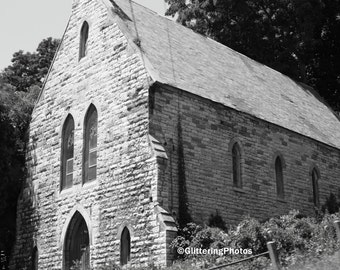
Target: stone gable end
{"x": 111, "y": 77}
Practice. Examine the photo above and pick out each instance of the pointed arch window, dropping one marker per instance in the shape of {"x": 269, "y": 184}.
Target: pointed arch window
{"x": 315, "y": 184}
{"x": 90, "y": 145}
{"x": 236, "y": 156}
{"x": 279, "y": 178}
{"x": 125, "y": 246}
{"x": 67, "y": 153}
{"x": 84, "y": 34}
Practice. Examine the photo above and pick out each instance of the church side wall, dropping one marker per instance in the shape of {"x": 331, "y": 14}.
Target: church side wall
{"x": 111, "y": 77}
{"x": 207, "y": 133}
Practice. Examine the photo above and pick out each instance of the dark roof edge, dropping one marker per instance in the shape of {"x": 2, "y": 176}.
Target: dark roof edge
{"x": 316, "y": 94}
{"x": 170, "y": 87}
{"x": 118, "y": 10}
{"x": 120, "y": 19}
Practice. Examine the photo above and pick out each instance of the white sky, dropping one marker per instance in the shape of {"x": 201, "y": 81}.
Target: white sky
{"x": 24, "y": 23}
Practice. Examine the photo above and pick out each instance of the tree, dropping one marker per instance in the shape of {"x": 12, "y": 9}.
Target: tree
{"x": 11, "y": 167}
{"x": 325, "y": 65}
{"x": 29, "y": 69}
{"x": 299, "y": 38}
{"x": 19, "y": 88}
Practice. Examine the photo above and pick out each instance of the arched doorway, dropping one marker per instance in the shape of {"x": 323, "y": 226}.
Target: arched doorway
{"x": 76, "y": 245}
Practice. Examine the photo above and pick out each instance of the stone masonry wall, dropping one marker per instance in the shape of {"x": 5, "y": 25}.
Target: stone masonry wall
{"x": 112, "y": 77}
{"x": 208, "y": 132}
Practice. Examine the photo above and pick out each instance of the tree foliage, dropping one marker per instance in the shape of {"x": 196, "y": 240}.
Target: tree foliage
{"x": 29, "y": 69}
{"x": 19, "y": 87}
{"x": 11, "y": 167}
{"x": 299, "y": 38}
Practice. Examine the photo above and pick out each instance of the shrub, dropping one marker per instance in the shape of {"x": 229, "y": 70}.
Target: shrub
{"x": 217, "y": 221}
{"x": 249, "y": 234}
{"x": 300, "y": 240}
{"x": 331, "y": 204}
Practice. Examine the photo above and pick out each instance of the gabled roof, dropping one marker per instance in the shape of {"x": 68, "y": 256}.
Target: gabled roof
{"x": 179, "y": 57}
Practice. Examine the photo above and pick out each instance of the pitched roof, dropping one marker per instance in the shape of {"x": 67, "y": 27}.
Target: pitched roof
{"x": 179, "y": 57}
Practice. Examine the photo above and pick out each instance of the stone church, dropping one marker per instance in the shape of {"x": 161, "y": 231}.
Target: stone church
{"x": 143, "y": 123}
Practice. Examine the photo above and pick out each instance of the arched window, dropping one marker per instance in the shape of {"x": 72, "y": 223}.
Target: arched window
{"x": 236, "y": 155}
{"x": 279, "y": 178}
{"x": 35, "y": 256}
{"x": 90, "y": 145}
{"x": 125, "y": 246}
{"x": 77, "y": 244}
{"x": 84, "y": 34}
{"x": 67, "y": 153}
{"x": 315, "y": 183}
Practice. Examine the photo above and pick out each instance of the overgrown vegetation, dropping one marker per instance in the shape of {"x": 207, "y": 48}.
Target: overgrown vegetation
{"x": 331, "y": 205}
{"x": 300, "y": 241}
{"x": 183, "y": 208}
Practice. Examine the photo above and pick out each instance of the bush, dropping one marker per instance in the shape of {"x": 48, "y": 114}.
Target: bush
{"x": 250, "y": 234}
{"x": 299, "y": 239}
{"x": 331, "y": 205}
{"x": 217, "y": 221}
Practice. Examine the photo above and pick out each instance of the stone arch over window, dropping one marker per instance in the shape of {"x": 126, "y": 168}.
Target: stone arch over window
{"x": 90, "y": 145}
{"x": 84, "y": 213}
{"x": 67, "y": 153}
{"x": 125, "y": 246}
{"x": 84, "y": 34}
{"x": 315, "y": 176}
{"x": 76, "y": 249}
{"x": 34, "y": 258}
{"x": 237, "y": 165}
{"x": 279, "y": 177}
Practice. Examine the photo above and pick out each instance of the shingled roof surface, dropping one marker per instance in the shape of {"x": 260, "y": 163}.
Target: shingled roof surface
{"x": 179, "y": 57}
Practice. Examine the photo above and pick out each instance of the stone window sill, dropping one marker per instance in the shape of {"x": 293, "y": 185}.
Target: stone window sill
{"x": 239, "y": 190}
{"x": 66, "y": 191}
{"x": 90, "y": 184}
{"x": 281, "y": 200}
